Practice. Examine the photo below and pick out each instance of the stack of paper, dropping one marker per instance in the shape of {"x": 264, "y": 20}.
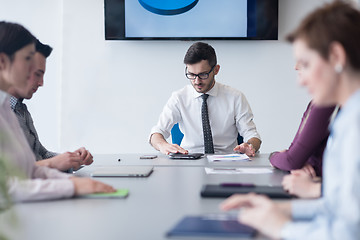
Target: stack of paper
{"x": 237, "y": 170}
{"x": 228, "y": 157}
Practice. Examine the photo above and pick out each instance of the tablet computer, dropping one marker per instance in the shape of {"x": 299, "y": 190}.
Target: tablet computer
{"x": 123, "y": 171}
{"x": 218, "y": 225}
{"x": 189, "y": 156}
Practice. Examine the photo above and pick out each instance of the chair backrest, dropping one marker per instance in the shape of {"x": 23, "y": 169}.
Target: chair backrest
{"x": 177, "y": 135}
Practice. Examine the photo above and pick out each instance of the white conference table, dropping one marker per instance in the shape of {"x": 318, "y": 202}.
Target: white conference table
{"x": 260, "y": 160}
{"x": 154, "y": 205}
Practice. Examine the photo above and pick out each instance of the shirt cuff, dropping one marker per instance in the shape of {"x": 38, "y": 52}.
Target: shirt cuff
{"x": 305, "y": 209}
{"x": 293, "y": 230}
{"x": 287, "y": 231}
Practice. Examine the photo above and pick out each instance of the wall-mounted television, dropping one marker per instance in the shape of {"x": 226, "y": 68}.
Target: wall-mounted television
{"x": 191, "y": 19}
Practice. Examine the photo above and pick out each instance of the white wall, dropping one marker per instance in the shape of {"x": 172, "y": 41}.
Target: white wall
{"x": 44, "y": 19}
{"x": 106, "y": 95}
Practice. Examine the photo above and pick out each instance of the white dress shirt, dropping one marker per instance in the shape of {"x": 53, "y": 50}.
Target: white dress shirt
{"x": 229, "y": 114}
{"x": 337, "y": 214}
{"x": 39, "y": 183}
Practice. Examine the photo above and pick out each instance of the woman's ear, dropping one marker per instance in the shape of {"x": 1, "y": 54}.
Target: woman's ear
{"x": 337, "y": 56}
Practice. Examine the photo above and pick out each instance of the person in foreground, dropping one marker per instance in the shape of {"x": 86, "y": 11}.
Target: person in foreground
{"x": 210, "y": 114}
{"x": 305, "y": 154}
{"x": 17, "y": 50}
{"x": 64, "y": 162}
{"x": 326, "y": 44}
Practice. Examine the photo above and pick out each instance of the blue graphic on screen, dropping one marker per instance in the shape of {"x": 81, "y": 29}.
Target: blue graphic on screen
{"x": 202, "y": 20}
{"x": 168, "y": 7}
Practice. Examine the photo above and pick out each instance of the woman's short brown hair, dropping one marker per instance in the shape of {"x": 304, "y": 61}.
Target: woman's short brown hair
{"x": 334, "y": 22}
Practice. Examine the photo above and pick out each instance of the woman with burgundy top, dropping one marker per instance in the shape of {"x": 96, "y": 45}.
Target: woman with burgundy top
{"x": 309, "y": 142}
{"x": 304, "y": 156}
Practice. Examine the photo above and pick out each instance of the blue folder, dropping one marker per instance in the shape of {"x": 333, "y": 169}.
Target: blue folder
{"x": 205, "y": 226}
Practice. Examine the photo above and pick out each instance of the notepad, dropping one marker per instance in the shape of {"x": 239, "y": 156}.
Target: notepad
{"x": 238, "y": 170}
{"x": 215, "y": 225}
{"x": 228, "y": 157}
{"x": 120, "y": 193}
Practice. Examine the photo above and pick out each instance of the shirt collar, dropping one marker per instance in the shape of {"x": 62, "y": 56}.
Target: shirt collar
{"x": 213, "y": 91}
{"x": 4, "y": 96}
{"x": 14, "y": 101}
{"x": 353, "y": 101}
{"x": 350, "y": 106}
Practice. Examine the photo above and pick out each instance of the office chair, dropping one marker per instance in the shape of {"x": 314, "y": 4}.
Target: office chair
{"x": 177, "y": 135}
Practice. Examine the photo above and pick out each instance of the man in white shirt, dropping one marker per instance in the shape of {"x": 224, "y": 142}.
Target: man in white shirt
{"x": 67, "y": 161}
{"x": 210, "y": 114}
{"x": 17, "y": 50}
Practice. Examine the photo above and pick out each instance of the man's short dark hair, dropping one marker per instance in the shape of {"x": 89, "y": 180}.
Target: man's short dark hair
{"x": 200, "y": 51}
{"x": 13, "y": 37}
{"x": 44, "y": 49}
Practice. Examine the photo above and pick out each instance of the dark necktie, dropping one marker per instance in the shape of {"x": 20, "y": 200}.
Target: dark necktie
{"x": 208, "y": 141}
{"x": 20, "y": 108}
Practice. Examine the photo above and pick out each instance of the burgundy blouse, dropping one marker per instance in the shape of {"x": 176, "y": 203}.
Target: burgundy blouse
{"x": 309, "y": 142}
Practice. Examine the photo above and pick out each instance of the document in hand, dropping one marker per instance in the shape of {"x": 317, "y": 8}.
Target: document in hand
{"x": 211, "y": 225}
{"x": 228, "y": 157}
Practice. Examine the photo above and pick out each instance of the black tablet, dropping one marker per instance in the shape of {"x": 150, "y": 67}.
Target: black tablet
{"x": 189, "y": 156}
{"x": 226, "y": 190}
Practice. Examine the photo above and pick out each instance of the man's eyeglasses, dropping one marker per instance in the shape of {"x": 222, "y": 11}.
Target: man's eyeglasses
{"x": 202, "y": 76}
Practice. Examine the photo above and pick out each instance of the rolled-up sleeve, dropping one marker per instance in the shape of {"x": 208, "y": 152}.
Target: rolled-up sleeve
{"x": 245, "y": 120}
{"x": 168, "y": 118}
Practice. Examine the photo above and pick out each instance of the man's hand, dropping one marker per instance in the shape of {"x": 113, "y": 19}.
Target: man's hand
{"x": 87, "y": 186}
{"x": 85, "y": 155}
{"x": 246, "y": 148}
{"x": 300, "y": 183}
{"x": 259, "y": 212}
{"x": 167, "y": 148}
{"x": 158, "y": 141}
{"x": 68, "y": 160}
{"x": 62, "y": 161}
